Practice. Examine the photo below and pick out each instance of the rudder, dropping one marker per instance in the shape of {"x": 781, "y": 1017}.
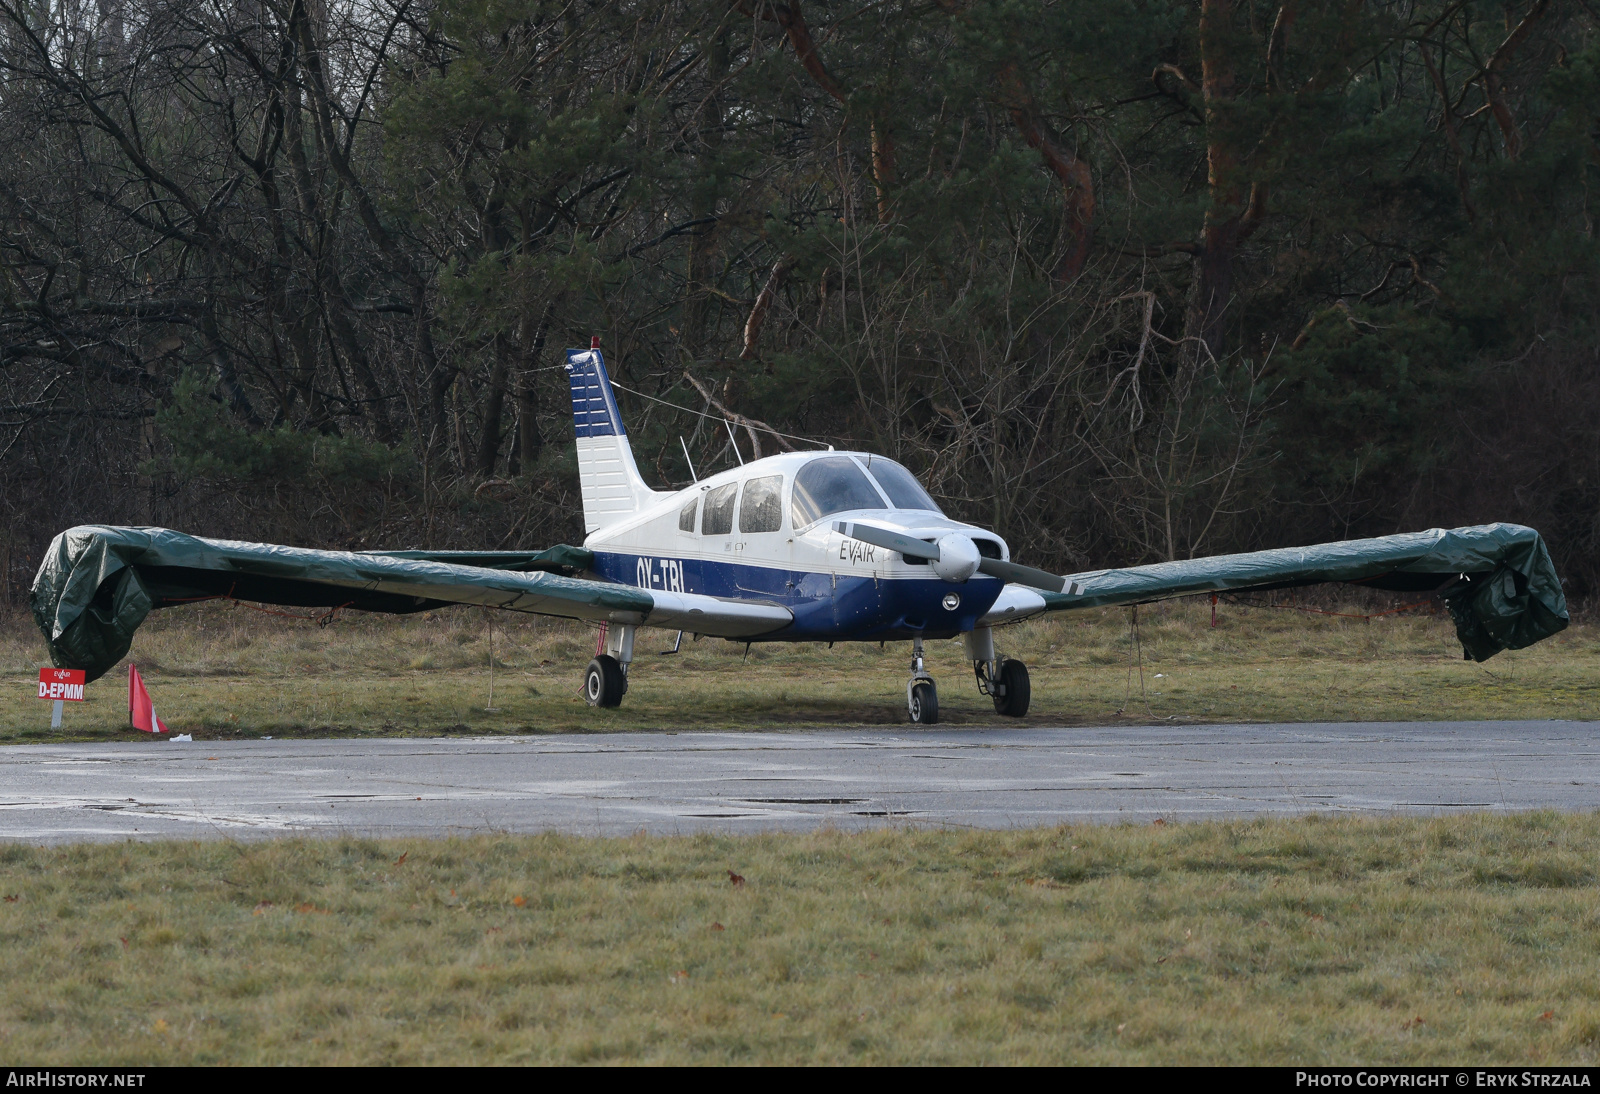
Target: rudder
{"x": 610, "y": 480}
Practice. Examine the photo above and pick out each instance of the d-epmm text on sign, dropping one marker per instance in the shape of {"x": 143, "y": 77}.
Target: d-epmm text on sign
{"x": 64, "y": 684}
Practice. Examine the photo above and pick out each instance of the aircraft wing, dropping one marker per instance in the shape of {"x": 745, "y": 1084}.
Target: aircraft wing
{"x": 1497, "y": 581}
{"x": 97, "y": 584}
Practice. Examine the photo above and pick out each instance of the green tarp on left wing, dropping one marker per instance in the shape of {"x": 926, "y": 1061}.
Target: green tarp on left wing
{"x": 97, "y": 584}
{"x": 1497, "y": 580}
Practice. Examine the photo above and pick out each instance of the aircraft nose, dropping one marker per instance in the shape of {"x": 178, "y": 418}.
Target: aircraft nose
{"x": 958, "y": 558}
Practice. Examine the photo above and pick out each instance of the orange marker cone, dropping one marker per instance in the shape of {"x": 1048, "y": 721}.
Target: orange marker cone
{"x": 141, "y": 711}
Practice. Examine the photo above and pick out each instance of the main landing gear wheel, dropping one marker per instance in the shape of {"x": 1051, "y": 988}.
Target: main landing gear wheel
{"x": 922, "y": 698}
{"x": 1013, "y": 694}
{"x": 604, "y": 683}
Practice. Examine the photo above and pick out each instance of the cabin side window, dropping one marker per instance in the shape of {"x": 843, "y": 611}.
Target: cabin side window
{"x": 686, "y": 515}
{"x": 831, "y": 484}
{"x": 761, "y": 507}
{"x": 718, "y": 517}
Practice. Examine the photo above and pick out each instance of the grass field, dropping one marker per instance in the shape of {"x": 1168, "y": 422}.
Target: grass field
{"x": 1378, "y": 940}
{"x": 222, "y": 671}
{"x": 1456, "y": 940}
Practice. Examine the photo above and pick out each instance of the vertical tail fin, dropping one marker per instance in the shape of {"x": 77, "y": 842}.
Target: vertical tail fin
{"x": 612, "y": 486}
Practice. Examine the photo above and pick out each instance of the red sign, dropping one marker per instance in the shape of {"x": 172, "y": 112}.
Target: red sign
{"x": 61, "y": 684}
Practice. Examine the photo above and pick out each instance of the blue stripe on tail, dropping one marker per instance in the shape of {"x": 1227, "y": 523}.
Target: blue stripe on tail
{"x": 594, "y": 406}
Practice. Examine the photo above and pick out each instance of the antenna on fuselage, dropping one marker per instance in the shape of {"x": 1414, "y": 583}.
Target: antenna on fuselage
{"x": 733, "y": 441}
{"x": 686, "y": 458}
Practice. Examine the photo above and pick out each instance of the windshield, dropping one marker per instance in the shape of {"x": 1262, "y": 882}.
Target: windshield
{"x": 901, "y": 485}
{"x": 832, "y": 484}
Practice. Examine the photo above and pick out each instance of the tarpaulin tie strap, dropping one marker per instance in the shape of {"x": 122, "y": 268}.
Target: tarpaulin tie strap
{"x": 319, "y": 620}
{"x": 1138, "y": 651}
{"x": 1319, "y": 611}
{"x": 599, "y": 647}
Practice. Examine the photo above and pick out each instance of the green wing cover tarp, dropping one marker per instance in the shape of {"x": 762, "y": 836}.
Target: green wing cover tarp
{"x": 1497, "y": 580}
{"x": 97, "y": 584}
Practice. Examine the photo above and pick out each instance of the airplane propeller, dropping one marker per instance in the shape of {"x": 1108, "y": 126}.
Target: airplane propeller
{"x": 955, "y": 557}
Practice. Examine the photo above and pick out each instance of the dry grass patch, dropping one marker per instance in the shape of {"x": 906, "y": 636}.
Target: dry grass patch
{"x": 1304, "y": 941}
{"x": 221, "y": 671}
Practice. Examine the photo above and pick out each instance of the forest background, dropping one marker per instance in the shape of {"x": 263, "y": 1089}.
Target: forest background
{"x": 1126, "y": 280}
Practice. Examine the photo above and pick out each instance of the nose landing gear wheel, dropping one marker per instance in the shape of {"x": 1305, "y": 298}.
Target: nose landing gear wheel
{"x": 1014, "y": 693}
{"x": 604, "y": 682}
{"x": 923, "y": 702}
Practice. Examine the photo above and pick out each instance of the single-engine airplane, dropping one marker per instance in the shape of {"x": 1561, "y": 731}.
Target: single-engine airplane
{"x": 818, "y": 546}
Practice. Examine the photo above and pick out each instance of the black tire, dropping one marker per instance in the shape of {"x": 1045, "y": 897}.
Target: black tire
{"x": 604, "y": 683}
{"x": 924, "y": 704}
{"x": 1015, "y": 693}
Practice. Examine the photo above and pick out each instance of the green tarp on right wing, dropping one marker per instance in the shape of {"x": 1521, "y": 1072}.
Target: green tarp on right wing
{"x": 1496, "y": 579}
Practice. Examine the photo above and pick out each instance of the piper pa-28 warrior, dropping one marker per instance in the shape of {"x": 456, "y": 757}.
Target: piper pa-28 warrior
{"x": 819, "y": 546}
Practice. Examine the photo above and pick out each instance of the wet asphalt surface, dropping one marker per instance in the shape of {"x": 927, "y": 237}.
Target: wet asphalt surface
{"x": 678, "y": 782}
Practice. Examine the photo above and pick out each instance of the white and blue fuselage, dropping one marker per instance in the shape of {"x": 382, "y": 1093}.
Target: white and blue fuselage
{"x": 839, "y": 589}
{"x": 766, "y": 532}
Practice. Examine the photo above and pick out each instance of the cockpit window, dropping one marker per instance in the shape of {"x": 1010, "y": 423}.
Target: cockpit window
{"x": 717, "y": 519}
{"x": 686, "y": 515}
{"x": 761, "y": 509}
{"x": 832, "y": 484}
{"x": 901, "y": 486}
